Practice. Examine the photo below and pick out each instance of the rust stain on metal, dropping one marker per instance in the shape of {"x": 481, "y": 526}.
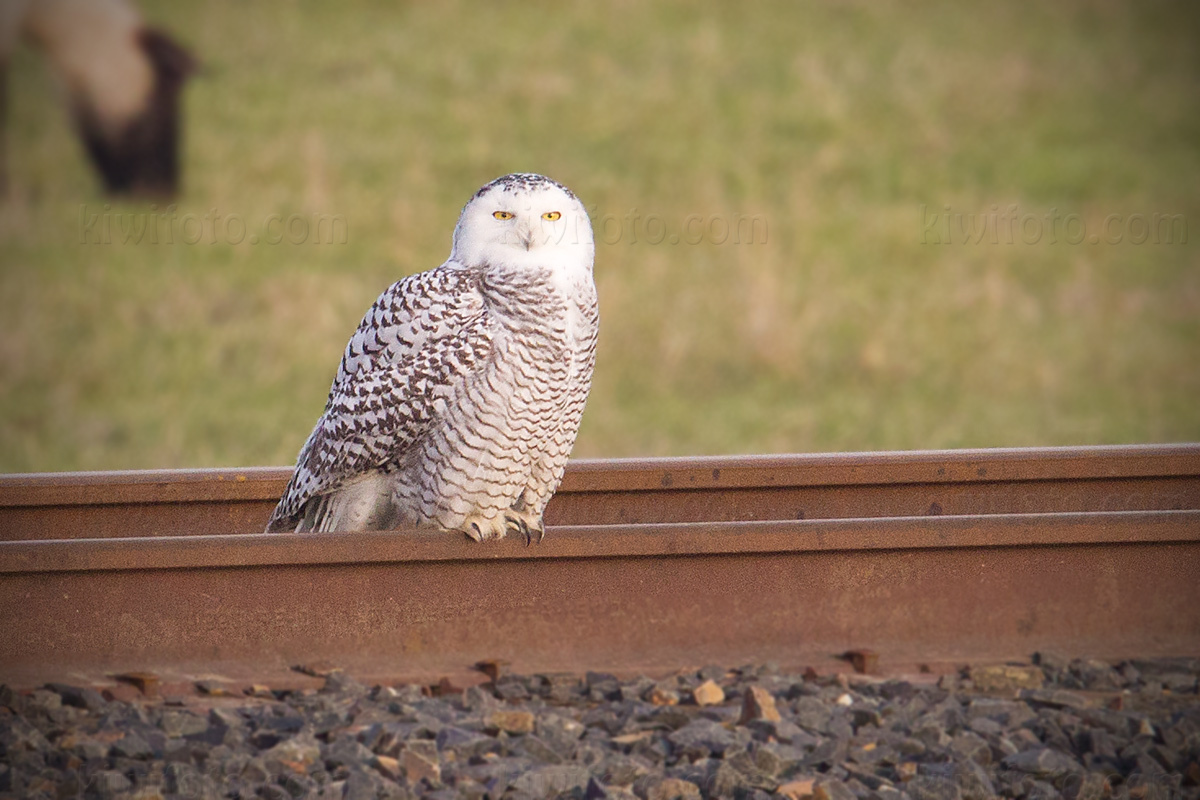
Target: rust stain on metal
{"x": 601, "y": 541}
{"x": 865, "y": 662}
{"x": 493, "y": 668}
{"x": 582, "y": 610}
{"x": 1092, "y": 550}
{"x": 201, "y": 502}
{"x": 146, "y": 682}
{"x": 317, "y": 669}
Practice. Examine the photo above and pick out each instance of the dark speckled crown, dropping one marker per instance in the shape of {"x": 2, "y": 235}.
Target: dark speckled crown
{"x": 522, "y": 181}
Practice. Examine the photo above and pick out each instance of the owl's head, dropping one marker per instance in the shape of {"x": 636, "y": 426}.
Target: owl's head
{"x": 524, "y": 220}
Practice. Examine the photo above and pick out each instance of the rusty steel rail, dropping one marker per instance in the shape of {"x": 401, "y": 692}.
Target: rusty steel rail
{"x": 1090, "y": 551}
{"x": 643, "y": 491}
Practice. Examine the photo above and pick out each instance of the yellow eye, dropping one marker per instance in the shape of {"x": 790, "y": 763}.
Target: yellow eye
{"x": 502, "y": 214}
{"x": 551, "y": 215}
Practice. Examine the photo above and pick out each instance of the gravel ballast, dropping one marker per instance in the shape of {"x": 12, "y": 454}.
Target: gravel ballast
{"x": 1078, "y": 730}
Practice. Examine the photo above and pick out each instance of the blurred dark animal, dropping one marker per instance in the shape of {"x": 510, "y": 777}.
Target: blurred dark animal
{"x": 123, "y": 80}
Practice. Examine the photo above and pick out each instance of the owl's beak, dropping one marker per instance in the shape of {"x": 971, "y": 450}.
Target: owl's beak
{"x": 525, "y": 236}
{"x": 523, "y": 233}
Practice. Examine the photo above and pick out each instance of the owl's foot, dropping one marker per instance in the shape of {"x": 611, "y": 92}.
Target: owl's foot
{"x": 526, "y": 524}
{"x": 481, "y": 528}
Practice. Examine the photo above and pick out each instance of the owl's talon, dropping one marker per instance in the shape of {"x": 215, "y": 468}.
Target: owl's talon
{"x": 516, "y": 523}
{"x": 481, "y": 529}
{"x": 525, "y": 524}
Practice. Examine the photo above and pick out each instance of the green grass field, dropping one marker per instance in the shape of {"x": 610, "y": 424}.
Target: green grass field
{"x": 845, "y": 139}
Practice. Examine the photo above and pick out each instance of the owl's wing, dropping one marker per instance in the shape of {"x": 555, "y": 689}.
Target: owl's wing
{"x": 414, "y": 347}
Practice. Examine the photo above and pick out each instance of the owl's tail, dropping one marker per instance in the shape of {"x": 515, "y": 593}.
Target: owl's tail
{"x": 363, "y": 504}
{"x": 283, "y": 523}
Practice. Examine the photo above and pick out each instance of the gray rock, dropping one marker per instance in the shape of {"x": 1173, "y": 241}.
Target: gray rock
{"x": 1040, "y": 790}
{"x": 131, "y": 745}
{"x": 177, "y": 723}
{"x": 601, "y": 686}
{"x": 660, "y": 788}
{"x": 478, "y": 698}
{"x": 604, "y": 718}
{"x": 1094, "y": 675}
{"x": 864, "y": 716}
{"x": 226, "y": 718}
{"x": 723, "y": 780}
{"x": 559, "y": 732}
{"x": 497, "y": 773}
{"x": 924, "y": 787}
{"x": 255, "y": 771}
{"x": 366, "y": 785}
{"x": 463, "y": 741}
{"x": 931, "y": 732}
{"x": 840, "y": 727}
{"x": 344, "y": 751}
{"x": 592, "y": 754}
{"x": 338, "y": 682}
{"x": 1092, "y": 786}
{"x": 79, "y": 697}
{"x": 782, "y": 731}
{"x": 775, "y": 759}
{"x": 1115, "y": 722}
{"x": 828, "y": 754}
{"x": 910, "y": 747}
{"x": 17, "y": 734}
{"x": 1158, "y": 666}
{"x": 812, "y": 714}
{"x": 636, "y": 689}
{"x": 620, "y": 770}
{"x": 671, "y": 717}
{"x": 985, "y": 726}
{"x": 972, "y": 746}
{"x": 1178, "y": 682}
{"x": 701, "y": 738}
{"x": 541, "y": 751}
{"x": 273, "y": 792}
{"x": 887, "y": 741}
{"x": 560, "y": 688}
{"x": 109, "y": 782}
{"x": 1053, "y": 698}
{"x": 1008, "y": 713}
{"x": 654, "y": 750}
{"x": 42, "y": 700}
{"x": 1042, "y": 762}
{"x": 833, "y": 789}
{"x": 551, "y": 780}
{"x": 301, "y": 749}
{"x": 511, "y": 688}
{"x": 974, "y": 781}
{"x": 91, "y": 750}
{"x": 864, "y": 776}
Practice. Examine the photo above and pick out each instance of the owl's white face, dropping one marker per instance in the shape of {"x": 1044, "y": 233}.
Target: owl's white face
{"x": 524, "y": 220}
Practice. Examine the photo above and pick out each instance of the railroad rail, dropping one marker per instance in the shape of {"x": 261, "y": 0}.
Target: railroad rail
{"x": 925, "y": 558}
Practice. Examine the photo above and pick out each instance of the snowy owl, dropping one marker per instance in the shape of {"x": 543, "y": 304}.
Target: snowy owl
{"x": 459, "y": 396}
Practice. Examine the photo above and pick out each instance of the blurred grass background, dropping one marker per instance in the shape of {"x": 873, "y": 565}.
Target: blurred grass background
{"x": 841, "y": 127}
